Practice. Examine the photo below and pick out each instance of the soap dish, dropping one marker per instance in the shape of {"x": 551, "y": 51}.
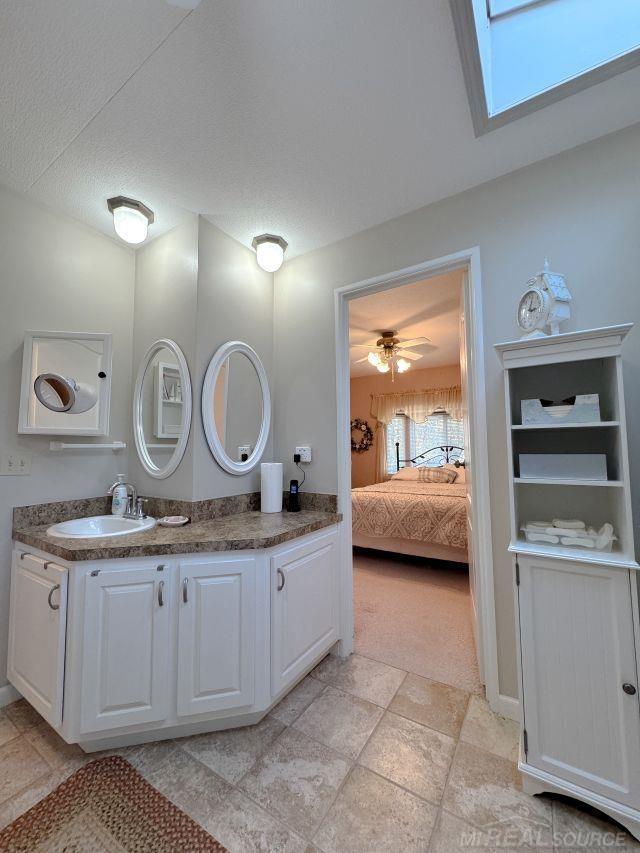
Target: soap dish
{"x": 173, "y": 520}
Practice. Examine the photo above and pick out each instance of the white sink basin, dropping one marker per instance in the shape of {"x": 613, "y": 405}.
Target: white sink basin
{"x": 99, "y": 526}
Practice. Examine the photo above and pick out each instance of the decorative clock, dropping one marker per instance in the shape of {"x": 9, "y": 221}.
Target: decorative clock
{"x": 544, "y": 303}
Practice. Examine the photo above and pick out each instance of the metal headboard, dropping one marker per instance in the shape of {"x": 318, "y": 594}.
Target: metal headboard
{"x": 435, "y": 457}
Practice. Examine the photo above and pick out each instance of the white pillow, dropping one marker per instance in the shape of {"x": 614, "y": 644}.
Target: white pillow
{"x": 460, "y": 472}
{"x": 407, "y": 474}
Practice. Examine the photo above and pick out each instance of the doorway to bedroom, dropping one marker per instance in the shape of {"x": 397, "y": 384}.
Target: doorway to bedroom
{"x": 412, "y": 609}
{"x": 410, "y": 506}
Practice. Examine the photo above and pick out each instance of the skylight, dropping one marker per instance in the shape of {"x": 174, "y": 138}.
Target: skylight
{"x": 520, "y": 55}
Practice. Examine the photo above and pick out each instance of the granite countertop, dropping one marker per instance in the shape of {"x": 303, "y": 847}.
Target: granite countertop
{"x": 237, "y": 532}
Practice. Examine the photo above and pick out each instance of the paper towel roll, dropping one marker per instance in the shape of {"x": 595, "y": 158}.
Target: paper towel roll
{"x": 271, "y": 487}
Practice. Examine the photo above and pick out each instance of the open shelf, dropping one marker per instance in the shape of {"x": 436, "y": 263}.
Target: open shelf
{"x": 615, "y": 557}
{"x": 592, "y": 425}
{"x": 562, "y": 380}
{"x": 558, "y": 481}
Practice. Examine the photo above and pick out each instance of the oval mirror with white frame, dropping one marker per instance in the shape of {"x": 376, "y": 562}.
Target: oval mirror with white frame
{"x": 162, "y": 408}
{"x": 236, "y": 407}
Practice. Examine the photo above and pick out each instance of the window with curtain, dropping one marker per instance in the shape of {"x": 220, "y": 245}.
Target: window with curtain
{"x": 439, "y": 428}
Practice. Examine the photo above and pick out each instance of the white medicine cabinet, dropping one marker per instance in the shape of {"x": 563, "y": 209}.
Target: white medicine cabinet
{"x": 66, "y": 383}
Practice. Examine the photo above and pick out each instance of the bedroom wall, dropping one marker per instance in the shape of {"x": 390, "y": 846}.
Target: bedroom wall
{"x": 581, "y": 208}
{"x": 363, "y": 465}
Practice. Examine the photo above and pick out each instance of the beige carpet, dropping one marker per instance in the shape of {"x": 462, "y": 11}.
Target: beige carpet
{"x": 416, "y": 615}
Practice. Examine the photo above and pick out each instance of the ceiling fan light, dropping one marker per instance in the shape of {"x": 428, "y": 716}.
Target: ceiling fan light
{"x": 383, "y": 367}
{"x": 402, "y": 365}
{"x": 374, "y": 359}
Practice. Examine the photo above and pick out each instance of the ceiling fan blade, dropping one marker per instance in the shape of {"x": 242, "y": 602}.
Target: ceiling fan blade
{"x": 360, "y": 360}
{"x": 415, "y": 342}
{"x": 364, "y": 346}
{"x": 412, "y": 356}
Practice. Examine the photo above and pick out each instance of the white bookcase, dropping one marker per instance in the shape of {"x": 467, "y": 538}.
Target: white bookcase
{"x": 577, "y": 608}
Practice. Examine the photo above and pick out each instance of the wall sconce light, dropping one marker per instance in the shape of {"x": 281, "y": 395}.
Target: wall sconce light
{"x": 270, "y": 251}
{"x": 131, "y": 218}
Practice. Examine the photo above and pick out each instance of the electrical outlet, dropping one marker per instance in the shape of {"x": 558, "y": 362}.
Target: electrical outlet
{"x": 305, "y": 453}
{"x": 244, "y": 449}
{"x": 15, "y": 462}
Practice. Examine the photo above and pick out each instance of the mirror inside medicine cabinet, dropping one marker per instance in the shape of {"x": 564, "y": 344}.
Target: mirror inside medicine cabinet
{"x": 162, "y": 408}
{"x": 66, "y": 383}
{"x": 236, "y": 407}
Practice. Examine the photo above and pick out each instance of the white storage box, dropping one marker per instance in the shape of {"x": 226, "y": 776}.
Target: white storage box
{"x": 563, "y": 466}
{"x": 585, "y": 409}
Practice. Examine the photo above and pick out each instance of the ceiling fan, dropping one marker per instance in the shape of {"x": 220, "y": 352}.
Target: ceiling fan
{"x": 391, "y": 353}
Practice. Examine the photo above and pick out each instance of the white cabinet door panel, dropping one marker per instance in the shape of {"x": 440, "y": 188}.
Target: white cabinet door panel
{"x": 216, "y": 635}
{"x": 304, "y": 607}
{"x": 577, "y": 652}
{"x": 37, "y": 628}
{"x": 126, "y": 648}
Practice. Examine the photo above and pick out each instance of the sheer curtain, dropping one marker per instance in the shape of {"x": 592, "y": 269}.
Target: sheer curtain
{"x": 417, "y": 405}
{"x": 381, "y": 453}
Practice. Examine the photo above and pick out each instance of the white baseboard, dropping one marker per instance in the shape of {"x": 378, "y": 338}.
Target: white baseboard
{"x": 8, "y": 694}
{"x": 507, "y": 706}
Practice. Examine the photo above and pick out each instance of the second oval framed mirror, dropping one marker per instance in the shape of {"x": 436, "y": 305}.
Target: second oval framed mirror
{"x": 162, "y": 408}
{"x": 236, "y": 407}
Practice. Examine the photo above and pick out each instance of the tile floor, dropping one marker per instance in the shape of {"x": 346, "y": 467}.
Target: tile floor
{"x": 360, "y": 757}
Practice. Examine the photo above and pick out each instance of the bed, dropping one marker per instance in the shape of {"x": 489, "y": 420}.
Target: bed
{"x": 422, "y": 519}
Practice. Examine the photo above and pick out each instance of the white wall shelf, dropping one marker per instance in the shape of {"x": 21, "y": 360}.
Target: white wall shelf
{"x": 592, "y": 425}
{"x": 559, "y": 481}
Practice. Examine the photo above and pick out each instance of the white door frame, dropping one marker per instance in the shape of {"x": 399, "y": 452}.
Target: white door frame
{"x": 469, "y": 260}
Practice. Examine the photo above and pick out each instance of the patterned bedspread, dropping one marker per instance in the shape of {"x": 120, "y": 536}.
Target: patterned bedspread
{"x": 432, "y": 512}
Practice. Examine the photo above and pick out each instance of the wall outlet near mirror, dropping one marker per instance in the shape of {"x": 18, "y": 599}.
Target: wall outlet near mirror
{"x": 304, "y": 452}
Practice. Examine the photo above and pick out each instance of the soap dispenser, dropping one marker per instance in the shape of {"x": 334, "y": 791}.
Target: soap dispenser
{"x": 119, "y": 493}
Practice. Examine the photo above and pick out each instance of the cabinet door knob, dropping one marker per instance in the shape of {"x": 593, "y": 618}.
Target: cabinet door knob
{"x": 161, "y": 593}
{"x": 281, "y": 580}
{"x": 185, "y": 596}
{"x": 629, "y": 689}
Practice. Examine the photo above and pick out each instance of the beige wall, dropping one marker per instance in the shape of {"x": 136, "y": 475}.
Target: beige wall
{"x": 363, "y": 465}
{"x": 235, "y": 303}
{"x": 200, "y": 287}
{"x": 57, "y": 275}
{"x": 582, "y": 209}
{"x": 166, "y": 295}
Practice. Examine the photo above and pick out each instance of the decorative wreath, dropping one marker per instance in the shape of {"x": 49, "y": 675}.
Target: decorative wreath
{"x": 360, "y": 426}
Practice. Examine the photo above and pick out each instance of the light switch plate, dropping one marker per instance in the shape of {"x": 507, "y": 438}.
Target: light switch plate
{"x": 305, "y": 453}
{"x": 15, "y": 462}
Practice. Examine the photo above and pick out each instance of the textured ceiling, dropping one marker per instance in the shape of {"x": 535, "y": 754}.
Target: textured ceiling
{"x": 311, "y": 119}
{"x": 429, "y": 308}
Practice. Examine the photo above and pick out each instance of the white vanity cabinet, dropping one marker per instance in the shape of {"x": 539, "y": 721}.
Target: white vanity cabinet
{"x": 125, "y": 648}
{"x": 37, "y": 631}
{"x": 216, "y": 637}
{"x": 121, "y": 651}
{"x": 304, "y": 607}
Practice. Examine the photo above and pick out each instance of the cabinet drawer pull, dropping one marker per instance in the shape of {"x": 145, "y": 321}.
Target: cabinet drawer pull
{"x": 161, "y": 593}
{"x": 629, "y": 689}
{"x": 50, "y": 596}
{"x": 185, "y": 596}
{"x": 281, "y": 580}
